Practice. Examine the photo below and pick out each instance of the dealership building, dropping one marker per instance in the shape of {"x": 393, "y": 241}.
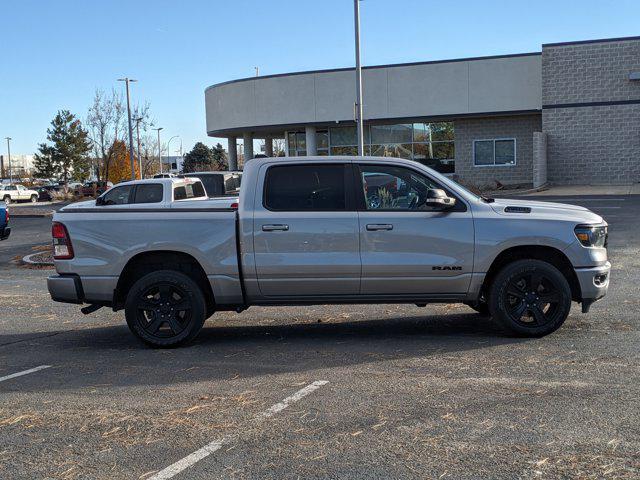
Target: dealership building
{"x": 569, "y": 114}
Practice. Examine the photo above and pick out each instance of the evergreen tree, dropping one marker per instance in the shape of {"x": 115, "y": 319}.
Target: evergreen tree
{"x": 219, "y": 158}
{"x": 67, "y": 152}
{"x": 199, "y": 159}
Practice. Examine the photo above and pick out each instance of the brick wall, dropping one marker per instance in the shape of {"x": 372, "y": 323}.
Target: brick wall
{"x": 592, "y": 144}
{"x": 519, "y": 127}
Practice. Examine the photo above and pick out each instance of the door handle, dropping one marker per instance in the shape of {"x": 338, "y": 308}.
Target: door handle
{"x": 372, "y": 227}
{"x": 275, "y": 227}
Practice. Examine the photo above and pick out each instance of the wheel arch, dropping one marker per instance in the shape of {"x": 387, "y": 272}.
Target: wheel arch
{"x": 544, "y": 253}
{"x": 150, "y": 261}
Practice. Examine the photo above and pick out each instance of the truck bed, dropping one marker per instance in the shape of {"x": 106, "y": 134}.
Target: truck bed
{"x": 105, "y": 240}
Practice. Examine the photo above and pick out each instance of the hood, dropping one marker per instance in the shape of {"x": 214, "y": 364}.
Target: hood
{"x": 549, "y": 210}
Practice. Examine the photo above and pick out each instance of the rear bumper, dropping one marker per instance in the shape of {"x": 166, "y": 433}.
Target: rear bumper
{"x": 5, "y": 232}
{"x": 65, "y": 288}
{"x": 594, "y": 282}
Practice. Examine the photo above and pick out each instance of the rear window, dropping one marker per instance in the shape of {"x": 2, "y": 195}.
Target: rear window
{"x": 190, "y": 190}
{"x": 305, "y": 188}
{"x": 148, "y": 193}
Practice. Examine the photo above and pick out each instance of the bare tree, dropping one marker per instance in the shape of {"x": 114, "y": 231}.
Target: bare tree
{"x": 149, "y": 155}
{"x": 106, "y": 122}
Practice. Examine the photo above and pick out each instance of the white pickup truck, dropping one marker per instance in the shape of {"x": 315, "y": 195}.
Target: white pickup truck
{"x": 15, "y": 193}
{"x": 317, "y": 230}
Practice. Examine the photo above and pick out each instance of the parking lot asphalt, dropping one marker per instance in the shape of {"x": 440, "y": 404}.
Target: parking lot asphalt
{"x": 435, "y": 392}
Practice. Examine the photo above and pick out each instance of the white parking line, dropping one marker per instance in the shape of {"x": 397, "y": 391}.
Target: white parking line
{"x": 24, "y": 372}
{"x": 190, "y": 460}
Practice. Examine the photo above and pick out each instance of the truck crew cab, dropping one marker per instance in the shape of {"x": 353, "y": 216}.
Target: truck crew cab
{"x": 318, "y": 230}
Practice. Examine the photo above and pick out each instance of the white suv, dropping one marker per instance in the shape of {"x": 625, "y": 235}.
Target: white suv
{"x": 14, "y": 193}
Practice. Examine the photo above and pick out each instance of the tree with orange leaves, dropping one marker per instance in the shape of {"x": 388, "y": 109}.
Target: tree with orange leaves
{"x": 120, "y": 169}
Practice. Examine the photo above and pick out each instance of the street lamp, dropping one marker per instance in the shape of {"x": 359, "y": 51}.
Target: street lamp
{"x": 169, "y": 149}
{"x": 159, "y": 148}
{"x": 138, "y": 120}
{"x": 9, "y": 158}
{"x": 127, "y": 80}
{"x": 360, "y": 129}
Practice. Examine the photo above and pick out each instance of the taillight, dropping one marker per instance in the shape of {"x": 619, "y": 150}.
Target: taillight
{"x": 62, "y": 249}
{"x": 234, "y": 205}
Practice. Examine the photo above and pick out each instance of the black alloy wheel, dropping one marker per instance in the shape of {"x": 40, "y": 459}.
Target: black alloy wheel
{"x": 165, "y": 308}
{"x": 530, "y": 297}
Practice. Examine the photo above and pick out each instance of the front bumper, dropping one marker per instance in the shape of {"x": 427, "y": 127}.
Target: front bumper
{"x": 5, "y": 232}
{"x": 594, "y": 282}
{"x": 65, "y": 288}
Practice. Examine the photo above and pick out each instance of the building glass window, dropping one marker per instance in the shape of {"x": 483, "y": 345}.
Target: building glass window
{"x": 494, "y": 152}
{"x": 297, "y": 143}
{"x": 431, "y": 144}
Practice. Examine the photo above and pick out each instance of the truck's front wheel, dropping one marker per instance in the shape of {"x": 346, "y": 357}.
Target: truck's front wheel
{"x": 165, "y": 308}
{"x": 530, "y": 298}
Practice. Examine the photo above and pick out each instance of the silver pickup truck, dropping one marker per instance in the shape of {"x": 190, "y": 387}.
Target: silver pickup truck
{"x": 318, "y": 230}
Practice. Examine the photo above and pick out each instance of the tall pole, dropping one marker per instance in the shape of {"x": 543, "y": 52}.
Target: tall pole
{"x": 360, "y": 129}
{"x": 138, "y": 120}
{"x": 127, "y": 80}
{"x": 9, "y": 158}
{"x": 159, "y": 148}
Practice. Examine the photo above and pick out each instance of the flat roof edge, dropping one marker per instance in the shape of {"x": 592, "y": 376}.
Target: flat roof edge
{"x": 372, "y": 67}
{"x": 597, "y": 40}
{"x": 234, "y": 131}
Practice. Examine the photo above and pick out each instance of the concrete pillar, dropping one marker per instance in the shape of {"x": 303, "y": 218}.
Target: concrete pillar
{"x": 312, "y": 148}
{"x": 247, "y": 138}
{"x": 539, "y": 159}
{"x": 268, "y": 146}
{"x": 233, "y": 153}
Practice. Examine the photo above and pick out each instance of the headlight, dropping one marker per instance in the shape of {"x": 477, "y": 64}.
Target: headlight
{"x": 592, "y": 235}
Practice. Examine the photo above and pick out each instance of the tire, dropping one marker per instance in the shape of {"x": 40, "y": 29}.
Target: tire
{"x": 153, "y": 309}
{"x": 481, "y": 307}
{"x": 34, "y": 198}
{"x": 530, "y": 298}
{"x": 7, "y": 199}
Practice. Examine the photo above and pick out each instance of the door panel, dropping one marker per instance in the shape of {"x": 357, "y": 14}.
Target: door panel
{"x": 401, "y": 259}
{"x": 306, "y": 252}
{"x": 405, "y": 248}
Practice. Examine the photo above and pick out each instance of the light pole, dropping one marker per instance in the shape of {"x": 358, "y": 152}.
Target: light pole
{"x": 360, "y": 129}
{"x": 9, "y": 158}
{"x": 159, "y": 148}
{"x": 127, "y": 80}
{"x": 138, "y": 120}
{"x": 169, "y": 150}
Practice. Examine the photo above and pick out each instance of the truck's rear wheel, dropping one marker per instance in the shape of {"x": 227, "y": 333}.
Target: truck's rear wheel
{"x": 530, "y": 298}
{"x": 165, "y": 308}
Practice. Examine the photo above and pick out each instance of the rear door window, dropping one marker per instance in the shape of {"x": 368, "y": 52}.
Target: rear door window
{"x": 148, "y": 193}
{"x": 306, "y": 188}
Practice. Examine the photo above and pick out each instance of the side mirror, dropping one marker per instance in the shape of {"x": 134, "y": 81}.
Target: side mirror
{"x": 100, "y": 201}
{"x": 437, "y": 198}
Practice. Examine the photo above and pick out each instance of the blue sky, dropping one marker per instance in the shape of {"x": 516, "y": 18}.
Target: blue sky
{"x": 54, "y": 54}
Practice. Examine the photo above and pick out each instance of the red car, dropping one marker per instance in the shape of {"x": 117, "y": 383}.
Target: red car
{"x": 93, "y": 189}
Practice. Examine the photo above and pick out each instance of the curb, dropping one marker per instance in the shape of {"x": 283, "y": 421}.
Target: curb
{"x": 27, "y": 260}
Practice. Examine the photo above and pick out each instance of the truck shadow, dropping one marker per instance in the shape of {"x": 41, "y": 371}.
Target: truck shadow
{"x": 111, "y": 355}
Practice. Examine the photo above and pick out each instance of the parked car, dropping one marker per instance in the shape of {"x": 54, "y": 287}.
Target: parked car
{"x": 219, "y": 184}
{"x": 44, "y": 194}
{"x": 93, "y": 189}
{"x": 164, "y": 175}
{"x": 305, "y": 233}
{"x": 5, "y": 230}
{"x": 16, "y": 193}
